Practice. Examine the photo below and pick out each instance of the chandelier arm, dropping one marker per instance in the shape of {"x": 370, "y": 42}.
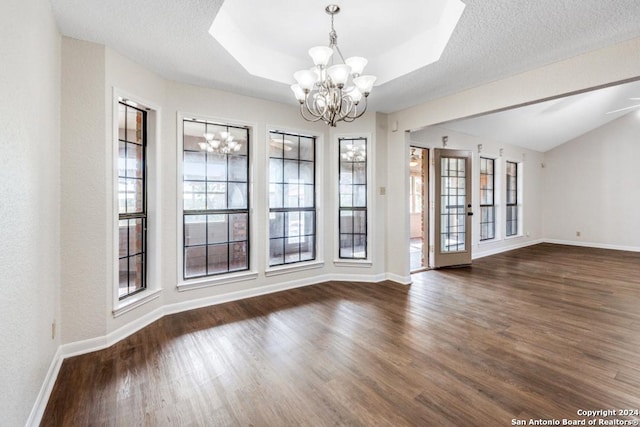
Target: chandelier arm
{"x": 312, "y": 119}
{"x": 311, "y": 109}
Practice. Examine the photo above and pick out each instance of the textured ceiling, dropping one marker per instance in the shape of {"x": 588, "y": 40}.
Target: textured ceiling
{"x": 493, "y": 39}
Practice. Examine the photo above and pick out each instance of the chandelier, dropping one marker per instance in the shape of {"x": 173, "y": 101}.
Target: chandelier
{"x": 220, "y": 143}
{"x": 332, "y": 93}
{"x": 354, "y": 154}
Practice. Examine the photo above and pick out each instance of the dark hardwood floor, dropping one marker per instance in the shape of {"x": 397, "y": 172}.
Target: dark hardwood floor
{"x": 540, "y": 332}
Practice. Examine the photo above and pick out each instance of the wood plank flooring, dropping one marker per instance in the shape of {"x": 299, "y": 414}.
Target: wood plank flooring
{"x": 539, "y": 332}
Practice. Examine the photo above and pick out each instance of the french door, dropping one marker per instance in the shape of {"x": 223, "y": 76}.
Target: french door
{"x": 452, "y": 208}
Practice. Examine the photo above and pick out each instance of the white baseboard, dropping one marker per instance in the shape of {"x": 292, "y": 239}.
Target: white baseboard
{"x": 45, "y": 391}
{"x": 494, "y": 251}
{"x": 99, "y": 343}
{"x": 403, "y": 280}
{"x": 594, "y": 245}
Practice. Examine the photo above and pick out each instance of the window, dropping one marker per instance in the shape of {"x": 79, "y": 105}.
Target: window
{"x": 512, "y": 199}
{"x": 132, "y": 200}
{"x": 215, "y": 198}
{"x": 292, "y": 198}
{"x": 353, "y": 198}
{"x": 487, "y": 199}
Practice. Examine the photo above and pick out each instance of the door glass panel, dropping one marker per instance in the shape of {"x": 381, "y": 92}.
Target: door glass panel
{"x": 452, "y": 207}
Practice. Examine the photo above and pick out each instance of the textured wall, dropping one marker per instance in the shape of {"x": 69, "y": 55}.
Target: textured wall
{"x": 85, "y": 231}
{"x": 29, "y": 202}
{"x": 592, "y": 179}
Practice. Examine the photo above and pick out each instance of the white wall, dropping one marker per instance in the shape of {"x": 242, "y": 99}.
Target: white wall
{"x": 530, "y": 162}
{"x": 84, "y": 196}
{"x": 91, "y": 73}
{"x": 604, "y": 66}
{"x": 29, "y": 196}
{"x": 592, "y": 185}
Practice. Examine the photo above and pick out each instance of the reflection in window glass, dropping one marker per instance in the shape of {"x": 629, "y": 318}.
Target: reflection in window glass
{"x": 512, "y": 199}
{"x": 353, "y": 198}
{"x": 292, "y": 205}
{"x": 215, "y": 198}
{"x": 132, "y": 210}
{"x": 487, "y": 199}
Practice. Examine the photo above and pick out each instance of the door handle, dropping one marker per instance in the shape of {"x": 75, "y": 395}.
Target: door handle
{"x": 470, "y": 213}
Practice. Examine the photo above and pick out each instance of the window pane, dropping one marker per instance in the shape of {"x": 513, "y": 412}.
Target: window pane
{"x": 216, "y": 195}
{"x": 353, "y": 194}
{"x": 218, "y": 258}
{"x": 134, "y": 125}
{"x": 217, "y": 185}
{"x": 307, "y": 148}
{"x": 360, "y": 222}
{"x": 306, "y": 173}
{"x": 134, "y": 161}
{"x": 276, "y": 251}
{"x": 239, "y": 259}
{"x": 194, "y": 166}
{"x": 275, "y": 195}
{"x": 195, "y": 262}
{"x": 237, "y": 196}
{"x": 195, "y": 227}
{"x": 131, "y": 200}
{"x": 217, "y": 229}
{"x": 307, "y": 248}
{"x": 123, "y": 277}
{"x": 294, "y": 199}
{"x": 136, "y": 273}
{"x": 136, "y": 244}
{"x": 276, "y": 170}
{"x": 194, "y": 196}
{"x": 346, "y": 221}
{"x": 291, "y": 147}
{"x": 216, "y": 167}
{"x": 276, "y": 224}
{"x": 346, "y": 246}
{"x": 237, "y": 168}
{"x": 239, "y": 227}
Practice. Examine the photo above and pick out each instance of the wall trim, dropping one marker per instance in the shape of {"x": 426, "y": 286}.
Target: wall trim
{"x": 77, "y": 348}
{"x": 594, "y": 245}
{"x": 495, "y": 251}
{"x": 403, "y": 280}
{"x": 45, "y": 391}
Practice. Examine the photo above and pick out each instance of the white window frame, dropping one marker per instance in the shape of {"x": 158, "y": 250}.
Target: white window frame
{"x": 319, "y": 190}
{"x": 183, "y": 284}
{"x": 152, "y": 260}
{"x": 371, "y": 207}
{"x": 519, "y": 198}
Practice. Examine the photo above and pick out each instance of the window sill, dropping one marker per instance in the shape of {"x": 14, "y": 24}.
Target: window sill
{"x": 516, "y": 236}
{"x": 293, "y": 268}
{"x": 361, "y": 263}
{"x": 489, "y": 241}
{"x": 216, "y": 281}
{"x": 135, "y": 301}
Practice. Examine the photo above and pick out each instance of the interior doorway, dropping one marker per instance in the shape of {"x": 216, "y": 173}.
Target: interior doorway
{"x": 418, "y": 208}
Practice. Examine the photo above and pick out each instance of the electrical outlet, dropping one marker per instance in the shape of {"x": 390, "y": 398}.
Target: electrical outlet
{"x": 383, "y": 191}
{"x": 53, "y": 330}
{"x": 577, "y": 234}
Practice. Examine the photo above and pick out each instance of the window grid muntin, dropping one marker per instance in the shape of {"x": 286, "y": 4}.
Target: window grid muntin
{"x": 207, "y": 212}
{"x": 487, "y": 199}
{"x": 353, "y": 209}
{"x": 512, "y": 199}
{"x": 279, "y": 182}
{"x": 453, "y": 214}
{"x": 135, "y": 215}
